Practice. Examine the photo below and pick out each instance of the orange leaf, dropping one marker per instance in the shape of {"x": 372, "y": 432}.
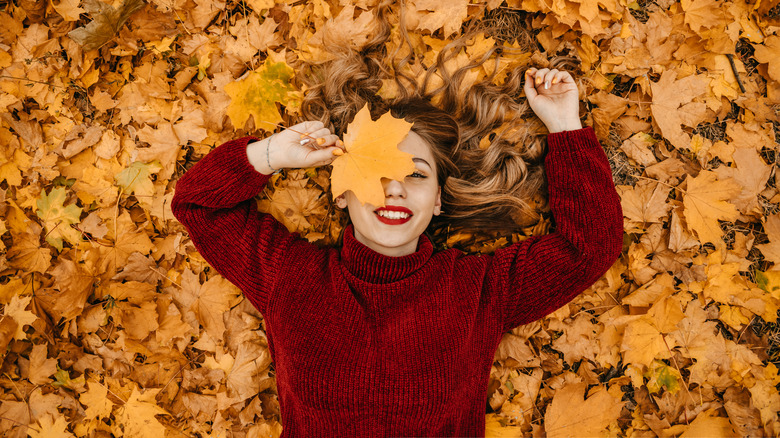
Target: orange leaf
{"x": 372, "y": 154}
{"x": 705, "y": 204}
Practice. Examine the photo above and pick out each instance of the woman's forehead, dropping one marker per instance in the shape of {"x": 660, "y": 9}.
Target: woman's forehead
{"x": 415, "y": 145}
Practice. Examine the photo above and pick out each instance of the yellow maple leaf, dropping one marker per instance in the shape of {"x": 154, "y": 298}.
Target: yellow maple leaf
{"x": 705, "y": 203}
{"x": 28, "y": 254}
{"x": 257, "y": 94}
{"x": 642, "y": 342}
{"x": 138, "y": 416}
{"x": 709, "y": 424}
{"x": 672, "y": 106}
{"x": 136, "y": 179}
{"x": 57, "y": 218}
{"x": 372, "y": 154}
{"x": 48, "y": 427}
{"x": 96, "y": 401}
{"x": 570, "y": 414}
{"x": 208, "y": 301}
{"x": 16, "y": 309}
{"x": 41, "y": 366}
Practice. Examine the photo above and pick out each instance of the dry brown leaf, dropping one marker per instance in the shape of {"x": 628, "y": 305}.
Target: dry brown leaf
{"x": 674, "y": 106}
{"x": 705, "y": 203}
{"x": 106, "y": 22}
{"x": 570, "y": 414}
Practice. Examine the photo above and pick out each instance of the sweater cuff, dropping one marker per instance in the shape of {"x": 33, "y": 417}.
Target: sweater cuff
{"x": 579, "y": 139}
{"x": 238, "y": 162}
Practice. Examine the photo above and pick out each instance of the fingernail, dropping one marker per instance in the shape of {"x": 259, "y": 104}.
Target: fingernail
{"x": 339, "y": 143}
{"x": 538, "y": 80}
{"x": 555, "y": 81}
{"x": 305, "y": 141}
{"x": 338, "y": 152}
{"x": 304, "y": 135}
{"x": 547, "y": 85}
{"x": 320, "y": 141}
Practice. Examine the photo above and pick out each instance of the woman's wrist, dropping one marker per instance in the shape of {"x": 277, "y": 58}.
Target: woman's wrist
{"x": 263, "y": 155}
{"x": 563, "y": 125}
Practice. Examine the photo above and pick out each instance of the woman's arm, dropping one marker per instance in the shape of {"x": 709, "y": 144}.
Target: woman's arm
{"x": 213, "y": 200}
{"x": 541, "y": 274}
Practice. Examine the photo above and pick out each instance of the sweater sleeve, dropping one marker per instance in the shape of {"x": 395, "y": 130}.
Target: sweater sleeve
{"x": 213, "y": 200}
{"x": 539, "y": 275}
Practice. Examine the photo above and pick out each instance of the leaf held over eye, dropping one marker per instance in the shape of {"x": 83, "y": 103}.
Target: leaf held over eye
{"x": 372, "y": 154}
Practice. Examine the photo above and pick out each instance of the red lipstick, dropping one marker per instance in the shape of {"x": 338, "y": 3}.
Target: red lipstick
{"x": 393, "y": 221}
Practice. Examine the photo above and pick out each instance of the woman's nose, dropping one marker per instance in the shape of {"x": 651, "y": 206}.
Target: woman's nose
{"x": 393, "y": 188}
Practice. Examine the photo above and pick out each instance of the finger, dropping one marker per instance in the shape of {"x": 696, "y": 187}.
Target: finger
{"x": 558, "y": 77}
{"x": 327, "y": 140}
{"x": 548, "y": 77}
{"x": 313, "y": 135}
{"x": 539, "y": 76}
{"x": 319, "y": 137}
{"x": 565, "y": 77}
{"x": 528, "y": 86}
{"x": 322, "y": 157}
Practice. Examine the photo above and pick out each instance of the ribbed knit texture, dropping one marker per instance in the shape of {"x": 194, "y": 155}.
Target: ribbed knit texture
{"x": 367, "y": 345}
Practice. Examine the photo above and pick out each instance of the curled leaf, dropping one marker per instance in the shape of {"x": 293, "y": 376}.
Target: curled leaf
{"x": 106, "y": 22}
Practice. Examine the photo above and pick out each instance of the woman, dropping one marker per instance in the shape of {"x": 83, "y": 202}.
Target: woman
{"x": 383, "y": 336}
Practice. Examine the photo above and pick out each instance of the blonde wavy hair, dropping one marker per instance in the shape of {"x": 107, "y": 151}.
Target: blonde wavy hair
{"x": 497, "y": 188}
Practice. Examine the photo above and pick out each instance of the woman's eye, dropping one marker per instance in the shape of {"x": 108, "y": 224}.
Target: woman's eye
{"x": 418, "y": 175}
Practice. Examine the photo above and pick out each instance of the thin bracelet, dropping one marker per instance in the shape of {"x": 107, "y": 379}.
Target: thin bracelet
{"x": 268, "y": 158}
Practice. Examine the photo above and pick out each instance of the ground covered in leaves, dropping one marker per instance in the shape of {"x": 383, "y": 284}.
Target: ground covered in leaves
{"x": 113, "y": 325}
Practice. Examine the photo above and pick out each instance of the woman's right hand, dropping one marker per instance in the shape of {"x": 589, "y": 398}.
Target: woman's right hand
{"x": 307, "y": 144}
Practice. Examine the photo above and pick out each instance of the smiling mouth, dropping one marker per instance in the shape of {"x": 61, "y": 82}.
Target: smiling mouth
{"x": 394, "y": 216}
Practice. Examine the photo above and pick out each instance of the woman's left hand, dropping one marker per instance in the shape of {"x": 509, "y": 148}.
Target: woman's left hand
{"x": 553, "y": 96}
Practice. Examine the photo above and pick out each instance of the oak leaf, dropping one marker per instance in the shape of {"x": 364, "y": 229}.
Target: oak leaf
{"x": 257, "y": 94}
{"x": 371, "y": 154}
{"x": 705, "y": 204}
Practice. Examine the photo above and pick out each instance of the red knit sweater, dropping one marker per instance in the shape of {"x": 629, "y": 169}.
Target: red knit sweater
{"x": 367, "y": 345}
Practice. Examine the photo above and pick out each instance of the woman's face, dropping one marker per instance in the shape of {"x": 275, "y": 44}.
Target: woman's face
{"x": 393, "y": 230}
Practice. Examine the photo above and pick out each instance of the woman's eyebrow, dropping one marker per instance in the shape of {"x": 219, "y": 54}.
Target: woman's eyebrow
{"x": 416, "y": 159}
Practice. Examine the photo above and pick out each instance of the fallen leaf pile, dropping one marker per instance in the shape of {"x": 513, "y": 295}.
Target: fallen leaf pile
{"x": 113, "y": 325}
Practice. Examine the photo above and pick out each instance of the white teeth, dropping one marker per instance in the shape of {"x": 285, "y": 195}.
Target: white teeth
{"x": 393, "y": 214}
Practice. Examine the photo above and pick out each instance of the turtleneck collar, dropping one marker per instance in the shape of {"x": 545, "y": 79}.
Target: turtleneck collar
{"x": 372, "y": 267}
